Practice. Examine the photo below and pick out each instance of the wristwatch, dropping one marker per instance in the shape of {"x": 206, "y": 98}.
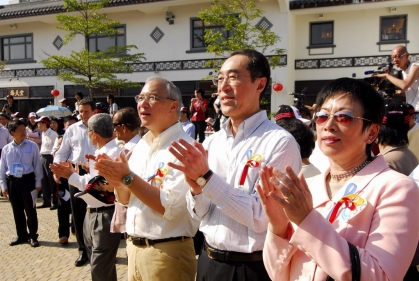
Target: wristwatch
{"x": 202, "y": 180}
{"x": 127, "y": 180}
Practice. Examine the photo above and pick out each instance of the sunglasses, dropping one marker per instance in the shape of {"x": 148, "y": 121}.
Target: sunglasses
{"x": 342, "y": 117}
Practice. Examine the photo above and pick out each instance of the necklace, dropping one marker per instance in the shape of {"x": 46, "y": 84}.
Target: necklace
{"x": 350, "y": 173}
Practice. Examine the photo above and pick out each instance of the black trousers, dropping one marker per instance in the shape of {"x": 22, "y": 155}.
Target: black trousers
{"x": 64, "y": 211}
{"x": 78, "y": 211}
{"x": 213, "y": 270}
{"x": 49, "y": 186}
{"x": 200, "y": 127}
{"x": 22, "y": 203}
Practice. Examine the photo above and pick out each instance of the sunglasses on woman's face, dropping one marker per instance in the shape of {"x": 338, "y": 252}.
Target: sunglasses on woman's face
{"x": 342, "y": 117}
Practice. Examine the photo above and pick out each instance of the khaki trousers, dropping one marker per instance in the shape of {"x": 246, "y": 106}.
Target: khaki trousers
{"x": 174, "y": 260}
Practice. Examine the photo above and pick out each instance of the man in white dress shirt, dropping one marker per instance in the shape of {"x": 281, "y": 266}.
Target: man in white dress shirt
{"x": 222, "y": 181}
{"x": 159, "y": 228}
{"x": 49, "y": 186}
{"x": 74, "y": 147}
{"x": 101, "y": 244}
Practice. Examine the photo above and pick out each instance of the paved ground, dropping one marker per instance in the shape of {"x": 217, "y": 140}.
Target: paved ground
{"x": 51, "y": 261}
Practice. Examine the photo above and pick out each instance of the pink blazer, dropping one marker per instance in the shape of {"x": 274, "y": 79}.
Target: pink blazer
{"x": 386, "y": 231}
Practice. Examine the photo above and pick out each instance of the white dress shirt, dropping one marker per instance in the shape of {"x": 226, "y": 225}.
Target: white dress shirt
{"x": 48, "y": 140}
{"x": 412, "y": 93}
{"x": 232, "y": 215}
{"x": 75, "y": 145}
{"x": 189, "y": 128}
{"x": 132, "y": 143}
{"x": 5, "y": 137}
{"x": 110, "y": 149}
{"x": 148, "y": 156}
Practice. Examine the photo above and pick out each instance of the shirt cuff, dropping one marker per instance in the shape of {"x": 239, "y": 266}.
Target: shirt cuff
{"x": 74, "y": 180}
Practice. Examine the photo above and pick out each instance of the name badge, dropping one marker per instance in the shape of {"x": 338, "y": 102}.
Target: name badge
{"x": 17, "y": 170}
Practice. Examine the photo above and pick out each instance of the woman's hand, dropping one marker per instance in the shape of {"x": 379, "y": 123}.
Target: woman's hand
{"x": 277, "y": 218}
{"x": 296, "y": 199}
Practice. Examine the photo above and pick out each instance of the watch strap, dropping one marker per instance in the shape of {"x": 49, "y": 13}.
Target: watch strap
{"x": 208, "y": 174}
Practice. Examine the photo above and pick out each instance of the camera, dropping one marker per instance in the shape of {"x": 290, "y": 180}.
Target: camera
{"x": 6, "y": 105}
{"x": 384, "y": 87}
{"x": 299, "y": 98}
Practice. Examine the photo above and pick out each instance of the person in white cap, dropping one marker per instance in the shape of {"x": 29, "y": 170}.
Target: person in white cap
{"x": 32, "y": 130}
{"x": 64, "y": 103}
{"x": 48, "y": 184}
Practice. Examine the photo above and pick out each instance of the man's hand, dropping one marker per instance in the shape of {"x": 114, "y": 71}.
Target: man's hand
{"x": 5, "y": 193}
{"x": 194, "y": 162}
{"x": 62, "y": 170}
{"x": 112, "y": 170}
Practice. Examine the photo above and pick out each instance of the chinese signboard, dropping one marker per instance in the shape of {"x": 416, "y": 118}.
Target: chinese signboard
{"x": 18, "y": 92}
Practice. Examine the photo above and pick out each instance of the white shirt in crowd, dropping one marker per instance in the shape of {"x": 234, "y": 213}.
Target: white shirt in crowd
{"x": 412, "y": 93}
{"x": 148, "y": 156}
{"x": 5, "y": 137}
{"x": 189, "y": 128}
{"x": 75, "y": 145}
{"x": 231, "y": 214}
{"x": 48, "y": 140}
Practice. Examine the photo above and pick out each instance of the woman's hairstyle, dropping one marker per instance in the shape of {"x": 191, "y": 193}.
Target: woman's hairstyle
{"x": 395, "y": 126}
{"x": 301, "y": 133}
{"x": 370, "y": 100}
{"x": 80, "y": 94}
{"x": 111, "y": 97}
{"x": 60, "y": 129}
{"x": 129, "y": 117}
{"x": 200, "y": 91}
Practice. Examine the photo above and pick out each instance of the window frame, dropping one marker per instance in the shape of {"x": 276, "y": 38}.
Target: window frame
{"x": 193, "y": 49}
{"x": 321, "y": 45}
{"x": 96, "y": 37}
{"x": 25, "y": 44}
{"x": 392, "y": 41}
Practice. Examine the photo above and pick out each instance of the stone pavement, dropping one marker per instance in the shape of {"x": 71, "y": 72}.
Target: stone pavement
{"x": 51, "y": 261}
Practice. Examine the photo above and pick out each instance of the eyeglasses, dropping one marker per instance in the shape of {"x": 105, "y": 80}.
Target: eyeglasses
{"x": 151, "y": 99}
{"x": 398, "y": 56}
{"x": 342, "y": 117}
{"x": 117, "y": 124}
{"x": 231, "y": 79}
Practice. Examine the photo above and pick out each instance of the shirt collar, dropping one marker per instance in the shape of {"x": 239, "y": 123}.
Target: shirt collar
{"x": 23, "y": 142}
{"x": 111, "y": 144}
{"x": 248, "y": 126}
{"x": 132, "y": 142}
{"x": 165, "y": 136}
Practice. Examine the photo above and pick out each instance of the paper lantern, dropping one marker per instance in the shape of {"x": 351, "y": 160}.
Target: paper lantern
{"x": 55, "y": 93}
{"x": 278, "y": 87}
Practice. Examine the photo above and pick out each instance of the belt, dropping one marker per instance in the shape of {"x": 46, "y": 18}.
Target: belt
{"x": 138, "y": 241}
{"x": 100, "y": 209}
{"x": 227, "y": 256}
{"x": 45, "y": 155}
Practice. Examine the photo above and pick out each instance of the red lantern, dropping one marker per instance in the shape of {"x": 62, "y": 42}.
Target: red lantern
{"x": 278, "y": 87}
{"x": 55, "y": 93}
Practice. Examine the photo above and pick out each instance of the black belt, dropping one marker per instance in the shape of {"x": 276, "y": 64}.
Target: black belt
{"x": 138, "y": 241}
{"x": 10, "y": 177}
{"x": 45, "y": 155}
{"x": 227, "y": 256}
{"x": 100, "y": 209}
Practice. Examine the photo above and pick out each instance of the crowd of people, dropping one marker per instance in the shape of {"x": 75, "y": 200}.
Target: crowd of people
{"x": 251, "y": 198}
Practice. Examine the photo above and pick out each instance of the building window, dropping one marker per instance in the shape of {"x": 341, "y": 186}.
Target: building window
{"x": 321, "y": 33}
{"x": 198, "y": 32}
{"x": 17, "y": 48}
{"x": 393, "y": 28}
{"x": 101, "y": 42}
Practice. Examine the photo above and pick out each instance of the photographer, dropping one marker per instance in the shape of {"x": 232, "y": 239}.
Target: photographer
{"x": 9, "y": 108}
{"x": 410, "y": 71}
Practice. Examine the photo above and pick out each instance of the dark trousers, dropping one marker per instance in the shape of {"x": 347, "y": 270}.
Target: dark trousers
{"x": 101, "y": 244}
{"x": 22, "y": 203}
{"x": 64, "y": 211}
{"x": 412, "y": 274}
{"x": 48, "y": 184}
{"x": 78, "y": 211}
{"x": 200, "y": 127}
{"x": 213, "y": 270}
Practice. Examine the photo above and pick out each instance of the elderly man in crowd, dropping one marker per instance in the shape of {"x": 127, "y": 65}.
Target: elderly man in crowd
{"x": 159, "y": 228}
{"x": 101, "y": 244}
{"x": 75, "y": 145}
{"x": 223, "y": 172}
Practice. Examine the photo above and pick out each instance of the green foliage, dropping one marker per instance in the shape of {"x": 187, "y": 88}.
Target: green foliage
{"x": 238, "y": 17}
{"x": 2, "y": 65}
{"x": 92, "y": 70}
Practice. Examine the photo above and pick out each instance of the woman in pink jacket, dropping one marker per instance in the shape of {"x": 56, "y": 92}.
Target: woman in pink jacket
{"x": 359, "y": 199}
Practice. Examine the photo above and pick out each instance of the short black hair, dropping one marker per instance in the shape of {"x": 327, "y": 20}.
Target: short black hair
{"x": 129, "y": 117}
{"x": 111, "y": 97}
{"x": 301, "y": 133}
{"x": 202, "y": 92}
{"x": 80, "y": 94}
{"x": 258, "y": 65}
{"x": 395, "y": 126}
{"x": 14, "y": 124}
{"x": 88, "y": 102}
{"x": 371, "y": 101}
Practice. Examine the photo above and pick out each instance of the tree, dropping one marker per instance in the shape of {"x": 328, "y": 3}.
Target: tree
{"x": 239, "y": 30}
{"x": 92, "y": 69}
{"x": 2, "y": 65}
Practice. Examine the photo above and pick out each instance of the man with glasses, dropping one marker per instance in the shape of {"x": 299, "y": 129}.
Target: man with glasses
{"x": 158, "y": 225}
{"x": 223, "y": 173}
{"x": 410, "y": 71}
